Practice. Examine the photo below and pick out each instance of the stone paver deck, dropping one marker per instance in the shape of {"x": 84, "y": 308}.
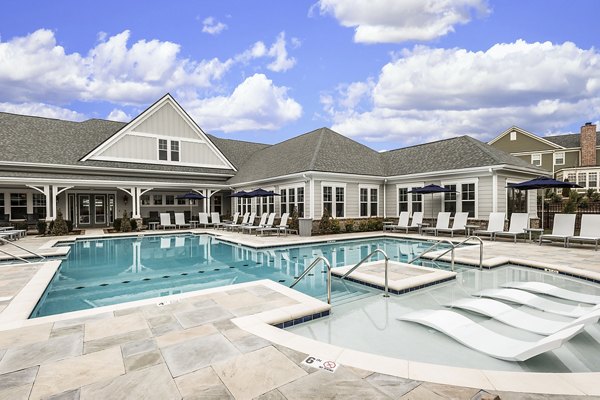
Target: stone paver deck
{"x": 191, "y": 349}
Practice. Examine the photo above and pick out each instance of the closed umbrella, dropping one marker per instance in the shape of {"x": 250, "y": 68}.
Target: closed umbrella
{"x": 191, "y": 196}
{"x": 542, "y": 182}
{"x": 431, "y": 189}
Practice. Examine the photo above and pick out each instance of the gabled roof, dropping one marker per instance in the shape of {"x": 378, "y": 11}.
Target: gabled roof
{"x": 526, "y": 133}
{"x": 319, "y": 150}
{"x": 236, "y": 151}
{"x": 449, "y": 154}
{"x": 570, "y": 140}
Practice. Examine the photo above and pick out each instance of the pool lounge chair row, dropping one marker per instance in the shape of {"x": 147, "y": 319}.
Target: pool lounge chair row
{"x": 165, "y": 221}
{"x": 563, "y": 229}
{"x": 417, "y": 220}
{"x": 265, "y": 225}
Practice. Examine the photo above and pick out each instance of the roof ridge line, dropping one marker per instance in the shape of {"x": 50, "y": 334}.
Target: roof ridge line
{"x": 317, "y": 149}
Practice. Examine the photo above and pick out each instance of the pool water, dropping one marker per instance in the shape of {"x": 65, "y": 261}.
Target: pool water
{"x": 111, "y": 271}
{"x": 371, "y": 325}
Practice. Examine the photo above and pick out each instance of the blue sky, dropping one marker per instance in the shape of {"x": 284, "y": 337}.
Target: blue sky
{"x": 387, "y": 73}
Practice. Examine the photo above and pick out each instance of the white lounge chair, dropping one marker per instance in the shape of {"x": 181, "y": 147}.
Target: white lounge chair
{"x": 165, "y": 221}
{"x": 267, "y": 225}
{"x": 279, "y": 228}
{"x": 234, "y": 220}
{"x": 537, "y": 302}
{"x": 415, "y": 223}
{"x": 590, "y": 230}
{"x": 402, "y": 222}
{"x": 554, "y": 291}
{"x": 215, "y": 219}
{"x": 203, "y": 220}
{"x": 443, "y": 222}
{"x": 495, "y": 224}
{"x": 518, "y": 223}
{"x": 235, "y": 225}
{"x": 562, "y": 229}
{"x": 518, "y": 318}
{"x": 180, "y": 221}
{"x": 458, "y": 225}
{"x": 261, "y": 223}
{"x": 484, "y": 340}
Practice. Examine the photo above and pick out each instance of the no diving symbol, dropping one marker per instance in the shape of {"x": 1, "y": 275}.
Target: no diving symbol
{"x": 316, "y": 362}
{"x": 329, "y": 365}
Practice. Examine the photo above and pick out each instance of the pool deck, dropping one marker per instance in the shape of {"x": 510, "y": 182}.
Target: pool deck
{"x": 218, "y": 343}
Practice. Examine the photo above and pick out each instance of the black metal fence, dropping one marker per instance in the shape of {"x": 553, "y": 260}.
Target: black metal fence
{"x": 557, "y": 208}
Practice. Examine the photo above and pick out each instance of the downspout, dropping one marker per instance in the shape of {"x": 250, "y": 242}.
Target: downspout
{"x": 384, "y": 201}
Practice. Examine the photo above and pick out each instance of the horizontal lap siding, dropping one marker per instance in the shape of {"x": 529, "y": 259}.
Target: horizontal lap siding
{"x": 484, "y": 192}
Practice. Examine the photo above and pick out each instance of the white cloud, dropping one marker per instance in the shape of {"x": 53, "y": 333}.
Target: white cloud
{"x": 119, "y": 115}
{"x": 393, "y": 21}
{"x": 255, "y": 104}
{"x": 278, "y": 51}
{"x": 213, "y": 27}
{"x": 428, "y": 93}
{"x": 42, "y": 110}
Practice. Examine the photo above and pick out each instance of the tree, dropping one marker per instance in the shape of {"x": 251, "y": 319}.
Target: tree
{"x": 125, "y": 223}
{"x": 59, "y": 227}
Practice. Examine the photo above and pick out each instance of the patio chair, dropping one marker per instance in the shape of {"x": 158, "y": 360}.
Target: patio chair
{"x": 589, "y": 232}
{"x": 180, "y": 221}
{"x": 165, "y": 221}
{"x": 518, "y": 223}
{"x": 443, "y": 222}
{"x": 234, "y": 223}
{"x": 283, "y": 226}
{"x": 203, "y": 220}
{"x": 215, "y": 220}
{"x": 261, "y": 223}
{"x": 267, "y": 225}
{"x": 402, "y": 222}
{"x": 562, "y": 229}
{"x": 458, "y": 225}
{"x": 495, "y": 224}
{"x": 417, "y": 220}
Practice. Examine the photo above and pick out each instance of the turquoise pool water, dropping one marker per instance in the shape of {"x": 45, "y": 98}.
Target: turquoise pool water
{"x": 111, "y": 271}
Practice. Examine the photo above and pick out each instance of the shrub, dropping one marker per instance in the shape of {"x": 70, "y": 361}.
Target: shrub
{"x": 41, "y": 227}
{"x": 59, "y": 227}
{"x": 134, "y": 225}
{"x": 50, "y": 227}
{"x": 335, "y": 226}
{"x": 590, "y": 192}
{"x": 325, "y": 222}
{"x": 374, "y": 224}
{"x": 566, "y": 191}
{"x": 125, "y": 223}
{"x": 117, "y": 224}
{"x": 583, "y": 203}
{"x": 363, "y": 225}
{"x": 595, "y": 196}
{"x": 349, "y": 225}
{"x": 571, "y": 204}
{"x": 556, "y": 198}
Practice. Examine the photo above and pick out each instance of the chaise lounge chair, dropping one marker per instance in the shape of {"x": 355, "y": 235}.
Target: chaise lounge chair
{"x": 235, "y": 225}
{"x": 266, "y": 225}
{"x": 203, "y": 220}
{"x": 283, "y": 226}
{"x": 443, "y": 222}
{"x": 484, "y": 340}
{"x": 180, "y": 221}
{"x": 495, "y": 224}
{"x": 554, "y": 291}
{"x": 165, "y": 221}
{"x": 261, "y": 223}
{"x": 590, "y": 230}
{"x": 415, "y": 223}
{"x": 458, "y": 225}
{"x": 215, "y": 219}
{"x": 562, "y": 229}
{"x": 402, "y": 222}
{"x": 518, "y": 223}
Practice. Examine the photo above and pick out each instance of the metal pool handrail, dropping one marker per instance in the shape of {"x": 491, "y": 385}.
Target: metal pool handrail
{"x": 464, "y": 241}
{"x": 386, "y": 259}
{"x": 22, "y": 248}
{"x": 435, "y": 246}
{"x": 310, "y": 267}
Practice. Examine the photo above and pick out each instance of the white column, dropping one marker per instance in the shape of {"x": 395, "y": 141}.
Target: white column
{"x": 312, "y": 197}
{"x": 494, "y": 191}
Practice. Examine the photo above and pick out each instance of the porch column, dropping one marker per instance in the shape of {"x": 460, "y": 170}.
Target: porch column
{"x": 137, "y": 201}
{"x": 312, "y": 197}
{"x": 55, "y": 192}
{"x": 494, "y": 191}
{"x": 131, "y": 191}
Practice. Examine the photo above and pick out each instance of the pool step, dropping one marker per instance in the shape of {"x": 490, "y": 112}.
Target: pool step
{"x": 339, "y": 297}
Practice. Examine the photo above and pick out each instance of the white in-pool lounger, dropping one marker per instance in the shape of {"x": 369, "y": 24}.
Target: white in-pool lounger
{"x": 554, "y": 291}
{"x": 520, "y": 319}
{"x": 477, "y": 337}
{"x": 537, "y": 302}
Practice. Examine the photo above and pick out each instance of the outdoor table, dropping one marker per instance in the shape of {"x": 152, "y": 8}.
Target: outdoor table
{"x": 153, "y": 225}
{"x": 529, "y": 230}
{"x": 194, "y": 223}
{"x": 421, "y": 226}
{"x": 470, "y": 229}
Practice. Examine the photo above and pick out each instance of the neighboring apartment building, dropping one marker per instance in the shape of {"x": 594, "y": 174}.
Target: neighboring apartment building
{"x": 573, "y": 157}
{"x": 96, "y": 169}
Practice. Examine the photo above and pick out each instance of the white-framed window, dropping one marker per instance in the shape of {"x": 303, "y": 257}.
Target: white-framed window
{"x": 170, "y": 200}
{"x": 368, "y": 197}
{"x": 244, "y": 205}
{"x": 145, "y": 199}
{"x": 465, "y": 199}
{"x": 450, "y": 199}
{"x": 39, "y": 204}
{"x": 513, "y": 135}
{"x": 18, "y": 205}
{"x": 168, "y": 150}
{"x": 402, "y": 199}
{"x": 536, "y": 159}
{"x": 292, "y": 197}
{"x": 559, "y": 158}
{"x": 158, "y": 199}
{"x": 334, "y": 198}
{"x": 582, "y": 179}
{"x": 407, "y": 201}
{"x": 468, "y": 197}
{"x": 265, "y": 205}
{"x": 571, "y": 176}
{"x": 593, "y": 179}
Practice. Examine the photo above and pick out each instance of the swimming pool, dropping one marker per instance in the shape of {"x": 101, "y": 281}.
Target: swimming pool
{"x": 372, "y": 325}
{"x": 111, "y": 271}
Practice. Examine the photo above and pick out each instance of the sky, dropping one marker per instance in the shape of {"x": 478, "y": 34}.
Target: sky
{"x": 387, "y": 73}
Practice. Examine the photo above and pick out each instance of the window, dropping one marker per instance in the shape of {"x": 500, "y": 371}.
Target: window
{"x": 293, "y": 200}
{"x": 559, "y": 158}
{"x": 468, "y": 198}
{"x": 145, "y": 199}
{"x": 581, "y": 179}
{"x": 169, "y": 200}
{"x": 416, "y": 202}
{"x": 18, "y": 205}
{"x": 2, "y": 210}
{"x": 364, "y": 202}
{"x": 328, "y": 199}
{"x": 163, "y": 147}
{"x": 450, "y": 199}
{"x": 536, "y": 159}
{"x": 374, "y": 202}
{"x": 300, "y": 201}
{"x": 39, "y": 205}
{"x": 244, "y": 205}
{"x": 369, "y": 200}
{"x": 181, "y": 202}
{"x": 339, "y": 202}
{"x": 593, "y": 179}
{"x": 513, "y": 135}
{"x": 217, "y": 204}
{"x": 571, "y": 176}
{"x": 517, "y": 201}
{"x": 283, "y": 199}
{"x": 402, "y": 200}
{"x": 158, "y": 200}
{"x": 163, "y": 150}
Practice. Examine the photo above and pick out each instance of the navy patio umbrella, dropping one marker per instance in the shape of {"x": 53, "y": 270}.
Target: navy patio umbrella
{"x": 431, "y": 189}
{"x": 261, "y": 193}
{"x": 190, "y": 196}
{"x": 241, "y": 193}
{"x": 542, "y": 182}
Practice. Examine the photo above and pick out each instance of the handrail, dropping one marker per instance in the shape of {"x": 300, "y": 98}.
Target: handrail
{"x": 310, "y": 267}
{"x": 433, "y": 247}
{"x": 386, "y": 259}
{"x": 22, "y": 248}
{"x": 464, "y": 241}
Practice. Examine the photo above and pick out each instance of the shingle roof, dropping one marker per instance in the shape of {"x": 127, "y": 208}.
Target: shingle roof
{"x": 570, "y": 140}
{"x": 236, "y": 151}
{"x": 449, "y": 154}
{"x": 319, "y": 150}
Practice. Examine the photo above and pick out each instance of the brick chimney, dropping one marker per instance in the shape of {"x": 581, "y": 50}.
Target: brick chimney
{"x": 588, "y": 145}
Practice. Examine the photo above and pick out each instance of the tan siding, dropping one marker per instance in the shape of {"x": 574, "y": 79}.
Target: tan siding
{"x": 571, "y": 159}
{"x": 351, "y": 198}
{"x": 166, "y": 121}
{"x": 484, "y": 193}
{"x": 199, "y": 153}
{"x": 391, "y": 208}
{"x": 133, "y": 147}
{"x": 522, "y": 144}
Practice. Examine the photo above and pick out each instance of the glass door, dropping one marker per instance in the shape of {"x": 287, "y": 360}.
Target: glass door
{"x": 100, "y": 209}
{"x": 84, "y": 208}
